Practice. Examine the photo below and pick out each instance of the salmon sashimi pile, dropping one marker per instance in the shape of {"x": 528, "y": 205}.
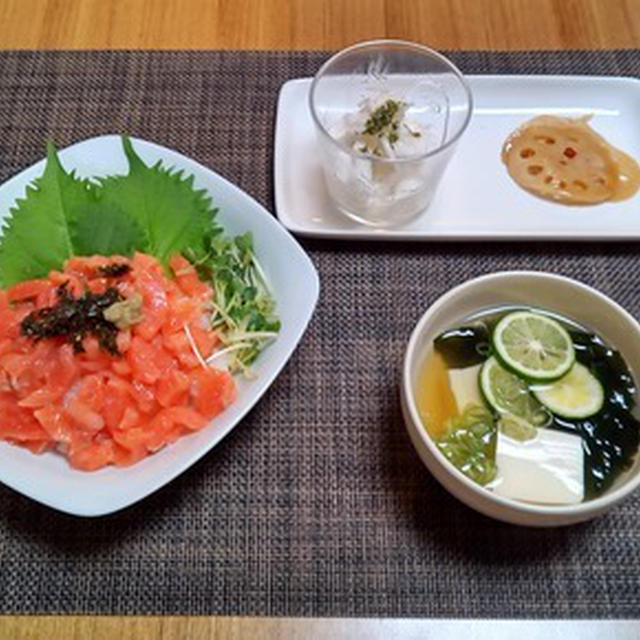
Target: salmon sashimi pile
{"x": 105, "y": 361}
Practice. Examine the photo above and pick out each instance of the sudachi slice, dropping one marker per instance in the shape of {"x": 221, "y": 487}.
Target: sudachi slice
{"x": 508, "y": 395}
{"x": 533, "y": 345}
{"x": 578, "y": 394}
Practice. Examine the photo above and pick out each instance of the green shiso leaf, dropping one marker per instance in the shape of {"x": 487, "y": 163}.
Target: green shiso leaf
{"x": 170, "y": 212}
{"x": 106, "y": 229}
{"x": 36, "y": 236}
{"x": 152, "y": 209}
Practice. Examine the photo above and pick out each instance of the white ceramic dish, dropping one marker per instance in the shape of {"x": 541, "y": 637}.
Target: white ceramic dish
{"x": 476, "y": 199}
{"x": 563, "y": 295}
{"x": 48, "y": 478}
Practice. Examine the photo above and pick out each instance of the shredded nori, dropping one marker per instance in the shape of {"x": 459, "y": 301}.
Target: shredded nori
{"x": 114, "y": 270}
{"x": 75, "y": 318}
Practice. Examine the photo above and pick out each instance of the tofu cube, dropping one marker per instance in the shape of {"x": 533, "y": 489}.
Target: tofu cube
{"x": 549, "y": 469}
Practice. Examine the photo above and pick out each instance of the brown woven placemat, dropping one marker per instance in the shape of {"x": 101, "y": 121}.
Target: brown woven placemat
{"x": 316, "y": 504}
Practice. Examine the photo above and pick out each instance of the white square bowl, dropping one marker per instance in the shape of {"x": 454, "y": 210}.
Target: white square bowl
{"x": 48, "y": 478}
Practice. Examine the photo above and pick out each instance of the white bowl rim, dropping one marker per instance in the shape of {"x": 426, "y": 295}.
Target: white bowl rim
{"x": 584, "y": 509}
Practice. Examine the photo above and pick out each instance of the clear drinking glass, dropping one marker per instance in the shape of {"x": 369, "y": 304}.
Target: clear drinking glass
{"x": 437, "y": 102}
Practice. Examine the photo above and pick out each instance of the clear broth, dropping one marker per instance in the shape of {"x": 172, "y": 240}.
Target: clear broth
{"x": 610, "y": 438}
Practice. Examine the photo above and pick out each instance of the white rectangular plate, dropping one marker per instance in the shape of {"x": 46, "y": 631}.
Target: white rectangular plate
{"x": 476, "y": 199}
{"x": 48, "y": 478}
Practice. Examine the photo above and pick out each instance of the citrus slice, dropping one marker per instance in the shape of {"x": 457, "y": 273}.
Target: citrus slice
{"x": 533, "y": 345}
{"x": 578, "y": 394}
{"x": 517, "y": 428}
{"x": 508, "y": 394}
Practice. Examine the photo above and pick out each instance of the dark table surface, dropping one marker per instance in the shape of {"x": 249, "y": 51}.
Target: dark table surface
{"x": 316, "y": 504}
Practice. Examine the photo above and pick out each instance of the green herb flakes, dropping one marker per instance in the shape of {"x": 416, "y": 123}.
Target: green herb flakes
{"x": 383, "y": 117}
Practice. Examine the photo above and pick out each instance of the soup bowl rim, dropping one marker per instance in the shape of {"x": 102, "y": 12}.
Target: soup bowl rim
{"x": 473, "y": 494}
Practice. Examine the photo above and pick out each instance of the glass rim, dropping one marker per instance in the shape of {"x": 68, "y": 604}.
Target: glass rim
{"x": 409, "y": 45}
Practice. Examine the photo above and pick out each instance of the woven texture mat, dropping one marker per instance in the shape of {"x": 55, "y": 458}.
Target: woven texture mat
{"x": 316, "y": 504}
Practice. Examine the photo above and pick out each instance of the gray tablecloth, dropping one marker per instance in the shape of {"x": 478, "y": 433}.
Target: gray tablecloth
{"x": 316, "y": 504}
